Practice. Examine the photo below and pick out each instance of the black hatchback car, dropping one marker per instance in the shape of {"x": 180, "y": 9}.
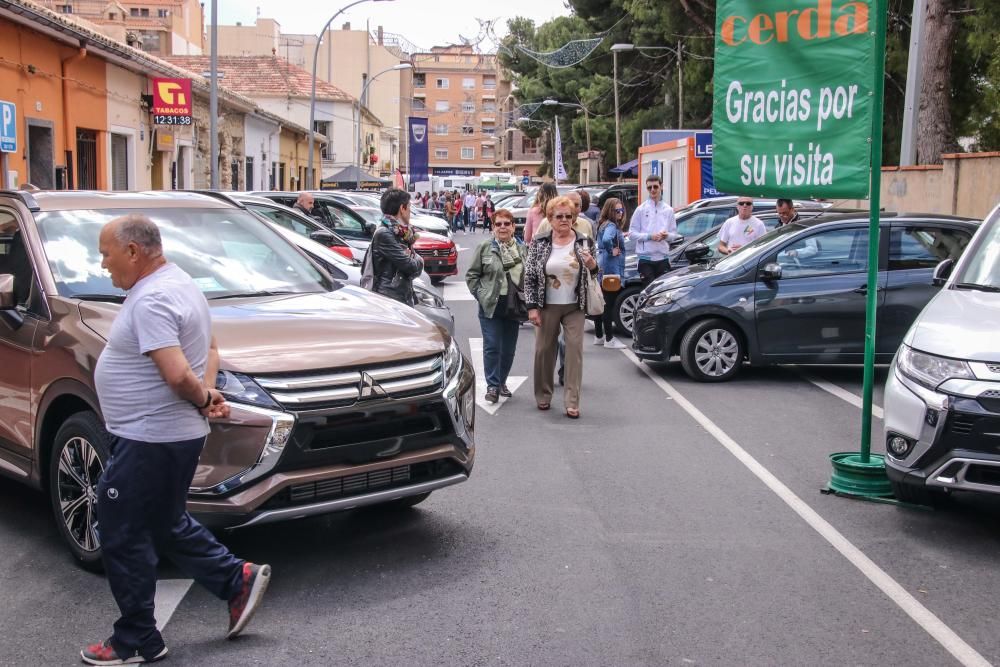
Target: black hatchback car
{"x": 797, "y": 295}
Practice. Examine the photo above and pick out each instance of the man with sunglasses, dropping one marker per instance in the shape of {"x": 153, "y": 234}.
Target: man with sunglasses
{"x": 652, "y": 228}
{"x": 740, "y": 229}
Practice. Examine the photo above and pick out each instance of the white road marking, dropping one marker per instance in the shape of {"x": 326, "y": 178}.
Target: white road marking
{"x": 926, "y": 619}
{"x": 169, "y": 593}
{"x": 456, "y": 292}
{"x": 842, "y": 393}
{"x": 476, "y": 351}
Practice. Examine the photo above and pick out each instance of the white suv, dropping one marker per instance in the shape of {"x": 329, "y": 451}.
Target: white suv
{"x": 942, "y": 398}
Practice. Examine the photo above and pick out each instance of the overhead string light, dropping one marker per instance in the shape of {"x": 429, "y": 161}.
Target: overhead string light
{"x": 567, "y": 55}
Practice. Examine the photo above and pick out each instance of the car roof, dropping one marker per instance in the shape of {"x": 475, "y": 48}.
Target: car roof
{"x": 839, "y": 215}
{"x": 68, "y": 200}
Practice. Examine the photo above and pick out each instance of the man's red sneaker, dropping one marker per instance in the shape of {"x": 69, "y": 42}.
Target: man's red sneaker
{"x": 244, "y": 603}
{"x": 104, "y": 654}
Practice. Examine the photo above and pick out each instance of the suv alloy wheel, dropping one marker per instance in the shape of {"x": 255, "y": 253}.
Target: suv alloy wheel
{"x": 625, "y": 305}
{"x": 79, "y": 454}
{"x": 712, "y": 351}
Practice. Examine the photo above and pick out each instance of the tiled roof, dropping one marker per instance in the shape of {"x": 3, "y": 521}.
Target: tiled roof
{"x": 268, "y": 76}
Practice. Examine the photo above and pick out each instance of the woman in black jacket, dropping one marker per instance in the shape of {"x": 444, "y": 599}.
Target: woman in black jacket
{"x": 394, "y": 263}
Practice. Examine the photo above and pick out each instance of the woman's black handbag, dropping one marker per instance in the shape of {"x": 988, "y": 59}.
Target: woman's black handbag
{"x": 515, "y": 307}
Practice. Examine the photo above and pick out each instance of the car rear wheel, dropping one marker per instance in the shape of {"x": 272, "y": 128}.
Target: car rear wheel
{"x": 437, "y": 280}
{"x": 712, "y": 351}
{"x": 625, "y": 305}
{"x": 79, "y": 454}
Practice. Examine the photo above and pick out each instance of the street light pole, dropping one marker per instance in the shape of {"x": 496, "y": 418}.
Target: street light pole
{"x": 586, "y": 114}
{"x": 213, "y": 101}
{"x": 361, "y": 99}
{"x": 312, "y": 94}
{"x": 615, "y": 48}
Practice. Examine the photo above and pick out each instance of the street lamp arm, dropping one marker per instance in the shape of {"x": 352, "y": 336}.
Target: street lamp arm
{"x": 312, "y": 95}
{"x": 364, "y": 89}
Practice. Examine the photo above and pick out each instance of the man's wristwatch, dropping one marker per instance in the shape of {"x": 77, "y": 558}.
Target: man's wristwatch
{"x": 208, "y": 400}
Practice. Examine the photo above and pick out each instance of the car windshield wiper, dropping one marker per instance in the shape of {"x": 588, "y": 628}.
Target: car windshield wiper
{"x": 978, "y": 286}
{"x": 240, "y": 295}
{"x": 110, "y": 298}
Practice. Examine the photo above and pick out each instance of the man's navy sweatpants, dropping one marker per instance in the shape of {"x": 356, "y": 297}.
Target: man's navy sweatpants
{"x": 142, "y": 516}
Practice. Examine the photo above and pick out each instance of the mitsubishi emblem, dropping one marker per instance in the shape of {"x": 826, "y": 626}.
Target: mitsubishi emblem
{"x": 370, "y": 388}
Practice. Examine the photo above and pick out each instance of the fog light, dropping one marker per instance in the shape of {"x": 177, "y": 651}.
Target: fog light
{"x": 898, "y": 446}
{"x": 931, "y": 417}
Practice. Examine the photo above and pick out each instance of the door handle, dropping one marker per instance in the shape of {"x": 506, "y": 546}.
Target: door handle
{"x": 864, "y": 289}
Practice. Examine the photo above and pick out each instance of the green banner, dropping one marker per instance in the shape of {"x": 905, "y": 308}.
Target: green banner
{"x": 792, "y": 110}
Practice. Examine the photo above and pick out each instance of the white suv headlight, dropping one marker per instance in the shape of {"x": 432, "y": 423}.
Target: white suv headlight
{"x": 452, "y": 361}
{"x": 930, "y": 370}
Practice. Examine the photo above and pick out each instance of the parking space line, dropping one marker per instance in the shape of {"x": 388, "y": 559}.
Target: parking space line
{"x": 841, "y": 393}
{"x": 923, "y": 617}
{"x": 169, "y": 593}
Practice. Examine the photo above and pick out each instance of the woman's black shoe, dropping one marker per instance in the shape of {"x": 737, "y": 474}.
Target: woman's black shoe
{"x": 504, "y": 391}
{"x": 492, "y": 394}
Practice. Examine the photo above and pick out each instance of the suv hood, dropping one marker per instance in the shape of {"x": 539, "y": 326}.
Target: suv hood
{"x": 283, "y": 334}
{"x": 962, "y": 324}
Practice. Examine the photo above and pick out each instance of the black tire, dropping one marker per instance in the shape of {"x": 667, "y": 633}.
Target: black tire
{"x": 79, "y": 454}
{"x": 917, "y": 494}
{"x": 712, "y": 351}
{"x": 404, "y": 503}
{"x": 437, "y": 280}
{"x": 626, "y": 301}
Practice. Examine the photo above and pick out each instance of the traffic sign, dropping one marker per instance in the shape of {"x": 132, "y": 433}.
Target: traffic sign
{"x": 8, "y": 127}
{"x": 525, "y": 180}
{"x": 526, "y": 173}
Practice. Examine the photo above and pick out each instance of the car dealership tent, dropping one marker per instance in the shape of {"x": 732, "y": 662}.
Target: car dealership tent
{"x": 350, "y": 177}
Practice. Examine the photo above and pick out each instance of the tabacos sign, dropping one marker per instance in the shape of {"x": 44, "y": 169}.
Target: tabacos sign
{"x": 172, "y": 101}
{"x": 793, "y": 97}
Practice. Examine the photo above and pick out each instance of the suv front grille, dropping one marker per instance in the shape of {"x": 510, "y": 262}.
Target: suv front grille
{"x": 434, "y": 252}
{"x": 361, "y": 483}
{"x": 346, "y": 387}
{"x": 961, "y": 425}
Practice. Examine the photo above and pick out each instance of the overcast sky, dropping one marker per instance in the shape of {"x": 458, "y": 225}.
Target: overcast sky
{"x": 425, "y": 23}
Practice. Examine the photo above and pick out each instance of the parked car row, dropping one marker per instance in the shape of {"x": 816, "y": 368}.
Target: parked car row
{"x": 340, "y": 398}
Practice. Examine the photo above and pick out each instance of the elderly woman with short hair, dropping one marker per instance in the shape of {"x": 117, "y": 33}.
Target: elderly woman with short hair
{"x": 559, "y": 264}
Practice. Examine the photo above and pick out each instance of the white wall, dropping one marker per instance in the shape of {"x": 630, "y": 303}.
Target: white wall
{"x": 338, "y": 113}
{"x": 262, "y": 145}
{"x": 127, "y": 118}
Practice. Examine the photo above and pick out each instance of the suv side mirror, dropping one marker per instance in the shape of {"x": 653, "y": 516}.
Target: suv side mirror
{"x": 676, "y": 242}
{"x": 7, "y": 292}
{"x": 942, "y": 272}
{"x": 697, "y": 252}
{"x": 370, "y": 228}
{"x": 771, "y": 272}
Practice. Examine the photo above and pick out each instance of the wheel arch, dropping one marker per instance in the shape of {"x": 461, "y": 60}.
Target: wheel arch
{"x": 63, "y": 399}
{"x": 675, "y": 344}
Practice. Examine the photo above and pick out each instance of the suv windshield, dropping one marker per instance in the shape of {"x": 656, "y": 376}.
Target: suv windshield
{"x": 982, "y": 269}
{"x": 757, "y": 246}
{"x": 228, "y": 252}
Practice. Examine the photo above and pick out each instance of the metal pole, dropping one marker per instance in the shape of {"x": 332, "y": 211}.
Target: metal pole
{"x": 914, "y": 77}
{"x": 357, "y": 151}
{"x": 618, "y": 129}
{"x": 871, "y": 301}
{"x": 213, "y": 100}
{"x": 680, "y": 86}
{"x": 3, "y": 173}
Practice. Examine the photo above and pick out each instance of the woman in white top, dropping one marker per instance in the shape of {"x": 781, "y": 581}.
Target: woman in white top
{"x": 555, "y": 288}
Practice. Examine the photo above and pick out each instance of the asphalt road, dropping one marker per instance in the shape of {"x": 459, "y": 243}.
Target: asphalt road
{"x": 675, "y": 523}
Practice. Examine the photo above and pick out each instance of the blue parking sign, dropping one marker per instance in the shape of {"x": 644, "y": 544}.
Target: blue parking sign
{"x": 8, "y": 127}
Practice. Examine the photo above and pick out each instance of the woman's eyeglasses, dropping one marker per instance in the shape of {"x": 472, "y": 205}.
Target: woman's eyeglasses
{"x": 503, "y": 223}
{"x": 562, "y": 216}
{"x": 619, "y": 210}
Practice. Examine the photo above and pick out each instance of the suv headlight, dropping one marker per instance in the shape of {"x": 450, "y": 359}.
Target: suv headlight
{"x": 667, "y": 297}
{"x": 452, "y": 361}
{"x": 239, "y": 388}
{"x": 425, "y": 297}
{"x": 930, "y": 370}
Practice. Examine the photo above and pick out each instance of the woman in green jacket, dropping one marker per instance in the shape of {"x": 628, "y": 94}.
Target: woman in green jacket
{"x": 494, "y": 260}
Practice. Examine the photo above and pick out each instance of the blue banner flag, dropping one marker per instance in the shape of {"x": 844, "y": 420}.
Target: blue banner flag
{"x": 418, "y": 157}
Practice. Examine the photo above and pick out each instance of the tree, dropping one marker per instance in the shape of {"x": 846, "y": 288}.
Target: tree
{"x": 934, "y": 127}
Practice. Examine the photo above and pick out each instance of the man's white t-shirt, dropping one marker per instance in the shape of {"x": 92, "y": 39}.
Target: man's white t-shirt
{"x": 561, "y": 273}
{"x": 736, "y": 233}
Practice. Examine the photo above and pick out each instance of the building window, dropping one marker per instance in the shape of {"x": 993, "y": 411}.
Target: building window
{"x": 468, "y": 83}
{"x": 64, "y": 9}
{"x": 442, "y": 82}
{"x": 112, "y": 16}
{"x": 468, "y": 107}
{"x": 163, "y": 13}
{"x": 149, "y": 41}
{"x": 487, "y": 152}
{"x": 489, "y": 82}
{"x": 441, "y": 128}
{"x": 420, "y": 80}
{"x": 441, "y": 105}
{"x": 489, "y": 130}
{"x": 419, "y": 104}
{"x": 489, "y": 107}
{"x": 467, "y": 130}
{"x": 144, "y": 11}
{"x": 468, "y": 153}
{"x": 529, "y": 146}
{"x": 440, "y": 153}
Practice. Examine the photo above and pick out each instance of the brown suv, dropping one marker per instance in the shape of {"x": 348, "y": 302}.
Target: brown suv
{"x": 339, "y": 398}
